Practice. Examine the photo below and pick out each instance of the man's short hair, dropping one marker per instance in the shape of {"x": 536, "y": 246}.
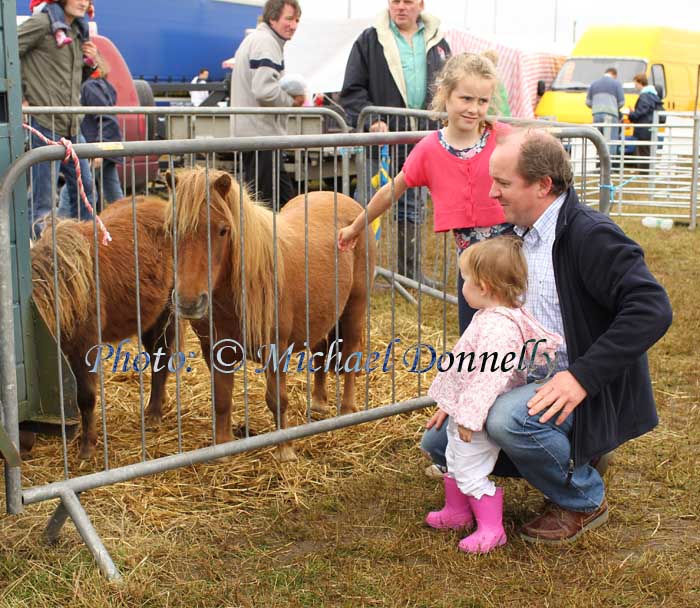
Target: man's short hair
{"x": 542, "y": 155}
{"x": 273, "y": 9}
{"x": 612, "y": 72}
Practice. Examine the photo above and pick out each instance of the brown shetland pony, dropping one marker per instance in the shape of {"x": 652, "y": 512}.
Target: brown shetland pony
{"x": 118, "y": 310}
{"x": 227, "y": 202}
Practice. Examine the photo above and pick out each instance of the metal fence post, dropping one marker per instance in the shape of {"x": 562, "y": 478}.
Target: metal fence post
{"x": 13, "y": 213}
{"x": 694, "y": 174}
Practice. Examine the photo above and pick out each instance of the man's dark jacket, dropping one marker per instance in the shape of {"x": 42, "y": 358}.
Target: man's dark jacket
{"x": 613, "y": 310}
{"x": 369, "y": 82}
{"x": 647, "y": 102}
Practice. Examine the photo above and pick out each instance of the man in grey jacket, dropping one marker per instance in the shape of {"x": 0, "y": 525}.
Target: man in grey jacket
{"x": 605, "y": 97}
{"x": 255, "y": 82}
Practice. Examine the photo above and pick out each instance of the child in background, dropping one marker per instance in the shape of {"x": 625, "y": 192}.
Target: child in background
{"x": 98, "y": 91}
{"x": 453, "y": 162}
{"x": 59, "y": 27}
{"x": 495, "y": 278}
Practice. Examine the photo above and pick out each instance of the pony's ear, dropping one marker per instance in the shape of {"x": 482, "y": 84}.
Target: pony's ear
{"x": 171, "y": 180}
{"x": 223, "y": 184}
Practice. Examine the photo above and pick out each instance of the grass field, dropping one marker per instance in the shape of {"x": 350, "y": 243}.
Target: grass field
{"x": 343, "y": 525}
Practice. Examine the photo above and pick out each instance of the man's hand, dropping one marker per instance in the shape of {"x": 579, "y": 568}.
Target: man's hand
{"x": 561, "y": 394}
{"x": 379, "y": 127}
{"x": 436, "y": 420}
{"x": 90, "y": 50}
{"x": 298, "y": 100}
{"x": 465, "y": 434}
{"x": 96, "y": 163}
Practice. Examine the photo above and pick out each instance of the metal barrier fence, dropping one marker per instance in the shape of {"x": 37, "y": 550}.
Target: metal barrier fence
{"x": 153, "y": 123}
{"x": 68, "y": 487}
{"x": 657, "y": 176}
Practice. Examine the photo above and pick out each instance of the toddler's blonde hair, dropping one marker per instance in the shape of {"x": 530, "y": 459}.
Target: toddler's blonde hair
{"x": 500, "y": 266}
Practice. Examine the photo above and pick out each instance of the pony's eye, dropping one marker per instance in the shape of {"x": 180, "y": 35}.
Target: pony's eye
{"x": 223, "y": 231}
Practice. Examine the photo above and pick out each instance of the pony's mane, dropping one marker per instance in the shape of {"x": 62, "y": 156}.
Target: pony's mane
{"x": 196, "y": 186}
{"x": 76, "y": 282}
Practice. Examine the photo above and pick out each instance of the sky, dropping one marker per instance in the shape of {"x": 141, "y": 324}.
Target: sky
{"x": 555, "y": 23}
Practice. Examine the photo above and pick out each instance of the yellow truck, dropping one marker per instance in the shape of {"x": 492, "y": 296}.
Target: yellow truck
{"x": 669, "y": 56}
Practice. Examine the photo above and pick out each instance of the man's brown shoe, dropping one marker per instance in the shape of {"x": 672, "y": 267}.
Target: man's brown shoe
{"x": 558, "y": 526}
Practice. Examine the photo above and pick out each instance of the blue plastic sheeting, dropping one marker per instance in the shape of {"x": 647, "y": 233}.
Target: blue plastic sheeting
{"x": 172, "y": 39}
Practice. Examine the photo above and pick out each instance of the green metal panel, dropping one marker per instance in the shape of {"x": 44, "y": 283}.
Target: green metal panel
{"x": 37, "y": 392}
{"x": 11, "y": 146}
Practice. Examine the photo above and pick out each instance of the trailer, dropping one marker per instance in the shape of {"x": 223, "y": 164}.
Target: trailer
{"x": 171, "y": 40}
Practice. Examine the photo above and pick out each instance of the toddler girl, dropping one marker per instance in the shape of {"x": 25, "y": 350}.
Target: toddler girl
{"x": 496, "y": 350}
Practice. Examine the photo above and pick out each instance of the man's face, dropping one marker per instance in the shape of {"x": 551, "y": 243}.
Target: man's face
{"x": 76, "y": 9}
{"x": 522, "y": 202}
{"x": 205, "y": 74}
{"x": 287, "y": 24}
{"x": 405, "y": 13}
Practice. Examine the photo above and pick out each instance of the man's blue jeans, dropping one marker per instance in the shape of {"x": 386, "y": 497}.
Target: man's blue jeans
{"x": 609, "y": 133}
{"x": 540, "y": 451}
{"x": 107, "y": 179}
{"x": 43, "y": 191}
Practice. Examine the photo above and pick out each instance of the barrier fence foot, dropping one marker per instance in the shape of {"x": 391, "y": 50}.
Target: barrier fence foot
{"x": 396, "y": 285}
{"x": 55, "y": 525}
{"x": 400, "y": 281}
{"x": 71, "y": 504}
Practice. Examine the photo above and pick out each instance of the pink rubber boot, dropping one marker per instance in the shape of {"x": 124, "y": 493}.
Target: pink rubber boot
{"x": 62, "y": 39}
{"x": 489, "y": 534}
{"x": 456, "y": 513}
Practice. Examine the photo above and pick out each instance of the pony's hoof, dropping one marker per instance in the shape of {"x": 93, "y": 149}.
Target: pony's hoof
{"x": 319, "y": 407}
{"x": 87, "y": 452}
{"x": 26, "y": 443}
{"x": 348, "y": 409}
{"x": 153, "y": 420}
{"x": 285, "y": 453}
{"x": 224, "y": 438}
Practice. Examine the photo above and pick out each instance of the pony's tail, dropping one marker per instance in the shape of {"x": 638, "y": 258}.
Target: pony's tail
{"x": 76, "y": 282}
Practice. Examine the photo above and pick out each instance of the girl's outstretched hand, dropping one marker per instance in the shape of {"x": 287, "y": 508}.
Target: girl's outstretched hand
{"x": 346, "y": 239}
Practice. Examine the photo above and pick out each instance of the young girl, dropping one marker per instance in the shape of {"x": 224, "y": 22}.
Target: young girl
{"x": 495, "y": 278}
{"x": 453, "y": 162}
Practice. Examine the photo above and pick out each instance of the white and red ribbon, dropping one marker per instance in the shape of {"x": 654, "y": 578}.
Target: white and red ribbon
{"x": 71, "y": 155}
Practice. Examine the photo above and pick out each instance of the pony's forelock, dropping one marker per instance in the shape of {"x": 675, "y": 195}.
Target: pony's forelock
{"x": 194, "y": 187}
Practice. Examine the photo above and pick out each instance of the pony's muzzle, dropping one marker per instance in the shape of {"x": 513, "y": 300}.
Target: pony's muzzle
{"x": 193, "y": 308}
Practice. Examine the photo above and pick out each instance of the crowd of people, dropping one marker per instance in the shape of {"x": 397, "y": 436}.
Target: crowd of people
{"x": 529, "y": 252}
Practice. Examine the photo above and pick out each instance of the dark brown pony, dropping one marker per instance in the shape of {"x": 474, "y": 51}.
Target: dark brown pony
{"x": 118, "y": 311}
{"x": 231, "y": 208}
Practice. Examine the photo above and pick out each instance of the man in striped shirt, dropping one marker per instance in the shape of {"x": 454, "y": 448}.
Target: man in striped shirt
{"x": 588, "y": 282}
